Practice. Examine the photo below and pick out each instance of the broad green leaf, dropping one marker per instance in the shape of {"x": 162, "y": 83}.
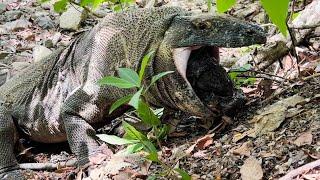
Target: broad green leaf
{"x": 277, "y": 11}
{"x": 149, "y": 146}
{"x": 147, "y": 115}
{"x": 117, "y": 82}
{"x": 134, "y": 102}
{"x": 86, "y": 3}
{"x": 184, "y": 175}
{"x": 132, "y": 133}
{"x": 97, "y": 3}
{"x": 163, "y": 131}
{"x": 60, "y": 6}
{"x": 115, "y": 140}
{"x": 134, "y": 148}
{"x": 144, "y": 64}
{"x": 224, "y": 5}
{"x": 129, "y": 75}
{"x": 116, "y": 8}
{"x": 153, "y": 157}
{"x": 120, "y": 102}
{"x": 158, "y": 76}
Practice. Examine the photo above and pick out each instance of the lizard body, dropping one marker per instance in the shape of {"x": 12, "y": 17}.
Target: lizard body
{"x": 58, "y": 99}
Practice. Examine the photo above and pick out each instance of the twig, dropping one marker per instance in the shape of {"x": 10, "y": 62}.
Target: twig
{"x": 86, "y": 8}
{"x": 305, "y": 26}
{"x": 292, "y": 174}
{"x": 293, "y": 39}
{"x": 48, "y": 166}
{"x": 311, "y": 77}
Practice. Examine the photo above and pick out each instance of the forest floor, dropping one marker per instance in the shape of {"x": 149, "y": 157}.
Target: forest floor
{"x": 276, "y": 132}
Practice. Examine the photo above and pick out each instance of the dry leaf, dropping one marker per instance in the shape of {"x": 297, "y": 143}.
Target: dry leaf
{"x": 244, "y": 149}
{"x": 270, "y": 117}
{"x": 251, "y": 169}
{"x": 304, "y": 139}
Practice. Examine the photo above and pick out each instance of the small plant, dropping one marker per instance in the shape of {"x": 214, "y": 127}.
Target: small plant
{"x": 135, "y": 140}
{"x": 235, "y": 76}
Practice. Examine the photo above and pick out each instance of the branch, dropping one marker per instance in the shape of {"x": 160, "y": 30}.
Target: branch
{"x": 48, "y": 166}
{"x": 305, "y": 26}
{"x": 86, "y": 9}
{"x": 292, "y": 174}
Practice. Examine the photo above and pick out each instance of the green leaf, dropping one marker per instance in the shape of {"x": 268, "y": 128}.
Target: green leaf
{"x": 115, "y": 140}
{"x": 277, "y": 11}
{"x": 184, "y": 175}
{"x": 144, "y": 64}
{"x": 163, "y": 131}
{"x": 153, "y": 156}
{"x": 224, "y": 5}
{"x": 147, "y": 115}
{"x": 134, "y": 102}
{"x": 117, "y": 82}
{"x": 158, "y": 76}
{"x": 120, "y": 102}
{"x": 134, "y": 148}
{"x": 129, "y": 75}
{"x": 116, "y": 8}
{"x": 149, "y": 147}
{"x": 132, "y": 133}
{"x": 209, "y": 4}
{"x": 60, "y": 6}
{"x": 97, "y": 3}
{"x": 152, "y": 177}
{"x": 85, "y": 2}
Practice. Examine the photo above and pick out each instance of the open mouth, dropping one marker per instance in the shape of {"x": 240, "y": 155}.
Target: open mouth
{"x": 199, "y": 67}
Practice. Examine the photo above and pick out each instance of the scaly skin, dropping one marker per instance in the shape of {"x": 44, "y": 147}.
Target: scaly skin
{"x": 58, "y": 99}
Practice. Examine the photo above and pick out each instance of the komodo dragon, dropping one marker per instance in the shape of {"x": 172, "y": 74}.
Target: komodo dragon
{"x": 58, "y": 99}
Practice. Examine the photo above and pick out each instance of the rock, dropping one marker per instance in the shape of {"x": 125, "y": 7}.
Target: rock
{"x": 45, "y": 22}
{"x": 3, "y": 7}
{"x": 39, "y": 52}
{"x": 17, "y": 25}
{"x": 3, "y": 76}
{"x": 12, "y": 15}
{"x": 3, "y": 54}
{"x": 72, "y": 18}
{"x": 56, "y": 38}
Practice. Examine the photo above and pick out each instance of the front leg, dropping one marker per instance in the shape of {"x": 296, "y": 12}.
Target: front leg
{"x": 78, "y": 111}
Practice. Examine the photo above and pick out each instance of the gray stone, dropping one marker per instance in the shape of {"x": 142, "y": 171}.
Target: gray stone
{"x": 12, "y": 15}
{"x": 40, "y": 52}
{"x": 3, "y": 54}
{"x": 3, "y": 76}
{"x": 45, "y": 22}
{"x": 72, "y": 18}
{"x": 16, "y": 25}
{"x": 3, "y": 7}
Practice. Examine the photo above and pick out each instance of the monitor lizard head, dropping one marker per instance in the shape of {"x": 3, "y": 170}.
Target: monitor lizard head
{"x": 190, "y": 48}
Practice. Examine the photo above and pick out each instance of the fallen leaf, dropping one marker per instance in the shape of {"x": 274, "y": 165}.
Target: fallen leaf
{"x": 201, "y": 143}
{"x": 244, "y": 149}
{"x": 304, "y": 139}
{"x": 251, "y": 169}
{"x": 200, "y": 154}
{"x": 270, "y": 117}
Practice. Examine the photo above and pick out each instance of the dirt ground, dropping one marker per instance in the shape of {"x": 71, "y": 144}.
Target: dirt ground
{"x": 272, "y": 135}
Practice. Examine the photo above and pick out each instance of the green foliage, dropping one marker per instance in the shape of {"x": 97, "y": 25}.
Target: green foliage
{"x": 277, "y": 11}
{"x": 134, "y": 139}
{"x": 60, "y": 6}
{"x": 184, "y": 175}
{"x": 235, "y": 73}
{"x": 224, "y": 5}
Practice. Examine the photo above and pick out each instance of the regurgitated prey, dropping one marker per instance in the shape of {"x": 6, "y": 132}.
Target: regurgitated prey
{"x": 58, "y": 99}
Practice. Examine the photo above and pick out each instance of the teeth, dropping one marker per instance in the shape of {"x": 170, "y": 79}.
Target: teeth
{"x": 181, "y": 57}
